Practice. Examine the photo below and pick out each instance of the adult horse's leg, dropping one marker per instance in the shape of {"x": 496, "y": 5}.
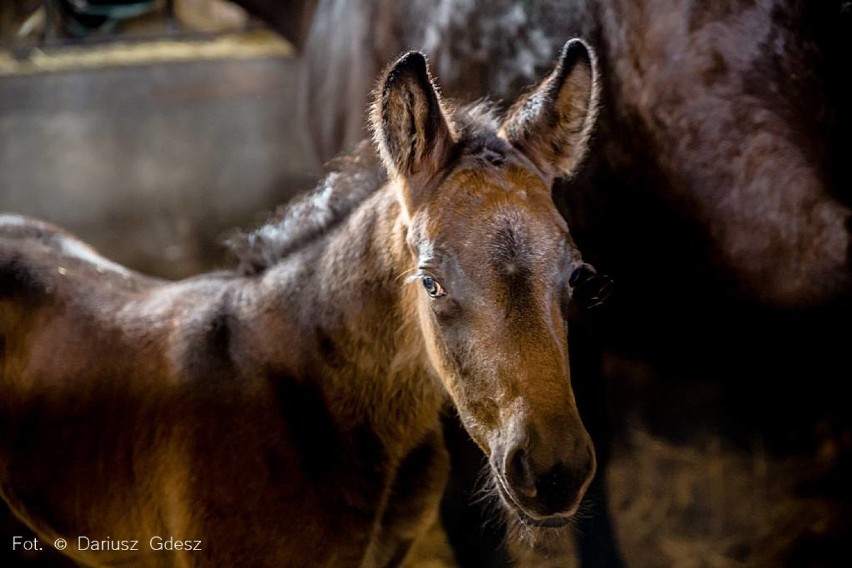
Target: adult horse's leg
{"x": 291, "y": 19}
{"x": 596, "y": 542}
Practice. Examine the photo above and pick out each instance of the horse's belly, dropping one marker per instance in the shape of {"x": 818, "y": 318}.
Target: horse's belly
{"x": 210, "y": 488}
{"x": 171, "y": 511}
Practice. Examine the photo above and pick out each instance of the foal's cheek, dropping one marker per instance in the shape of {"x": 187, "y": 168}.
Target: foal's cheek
{"x": 454, "y": 334}
{"x": 443, "y": 347}
{"x": 447, "y": 312}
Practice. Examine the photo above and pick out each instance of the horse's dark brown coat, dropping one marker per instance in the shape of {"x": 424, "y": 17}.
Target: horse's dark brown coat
{"x": 724, "y": 123}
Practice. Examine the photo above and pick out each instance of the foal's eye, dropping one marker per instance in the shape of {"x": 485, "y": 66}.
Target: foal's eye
{"x": 581, "y": 275}
{"x": 432, "y": 287}
{"x": 590, "y": 288}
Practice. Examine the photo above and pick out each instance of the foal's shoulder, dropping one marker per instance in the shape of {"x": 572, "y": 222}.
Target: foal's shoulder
{"x": 37, "y": 258}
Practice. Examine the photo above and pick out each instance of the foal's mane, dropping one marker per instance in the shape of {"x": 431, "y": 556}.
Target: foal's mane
{"x": 350, "y": 180}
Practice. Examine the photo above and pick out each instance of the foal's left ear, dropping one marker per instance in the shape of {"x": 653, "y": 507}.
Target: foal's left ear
{"x": 552, "y": 124}
{"x": 411, "y": 130}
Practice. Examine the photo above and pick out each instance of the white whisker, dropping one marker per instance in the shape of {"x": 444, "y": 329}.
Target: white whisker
{"x": 407, "y": 274}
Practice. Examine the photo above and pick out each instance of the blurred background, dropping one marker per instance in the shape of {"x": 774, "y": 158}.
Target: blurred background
{"x": 150, "y": 130}
{"x": 716, "y": 194}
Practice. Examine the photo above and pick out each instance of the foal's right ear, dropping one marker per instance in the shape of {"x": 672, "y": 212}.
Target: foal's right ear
{"x": 411, "y": 130}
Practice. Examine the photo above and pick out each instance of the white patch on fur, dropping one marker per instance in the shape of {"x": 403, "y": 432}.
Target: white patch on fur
{"x": 83, "y": 252}
{"x": 482, "y": 39}
{"x": 9, "y": 220}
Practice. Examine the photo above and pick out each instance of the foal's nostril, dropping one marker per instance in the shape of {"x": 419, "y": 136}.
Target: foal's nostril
{"x": 558, "y": 488}
{"x": 520, "y": 475}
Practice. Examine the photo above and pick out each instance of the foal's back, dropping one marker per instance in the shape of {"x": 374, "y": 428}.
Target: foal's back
{"x": 57, "y": 291}
{"x": 119, "y": 393}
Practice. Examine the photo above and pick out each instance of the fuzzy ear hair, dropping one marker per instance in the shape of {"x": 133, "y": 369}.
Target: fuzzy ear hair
{"x": 553, "y": 123}
{"x": 409, "y": 125}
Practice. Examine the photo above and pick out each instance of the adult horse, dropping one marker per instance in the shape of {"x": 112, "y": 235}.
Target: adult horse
{"x": 732, "y": 118}
{"x": 288, "y": 414}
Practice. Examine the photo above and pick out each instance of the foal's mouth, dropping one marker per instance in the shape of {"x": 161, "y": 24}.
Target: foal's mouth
{"x": 527, "y": 517}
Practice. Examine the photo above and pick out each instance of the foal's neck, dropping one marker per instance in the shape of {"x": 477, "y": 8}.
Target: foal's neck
{"x": 370, "y": 353}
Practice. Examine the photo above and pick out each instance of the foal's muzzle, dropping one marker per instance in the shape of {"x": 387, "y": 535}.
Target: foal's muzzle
{"x": 545, "y": 492}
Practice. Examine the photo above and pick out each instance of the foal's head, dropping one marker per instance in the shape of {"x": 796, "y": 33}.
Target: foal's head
{"x": 493, "y": 262}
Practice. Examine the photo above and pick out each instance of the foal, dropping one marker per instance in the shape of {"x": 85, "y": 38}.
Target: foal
{"x": 288, "y": 414}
